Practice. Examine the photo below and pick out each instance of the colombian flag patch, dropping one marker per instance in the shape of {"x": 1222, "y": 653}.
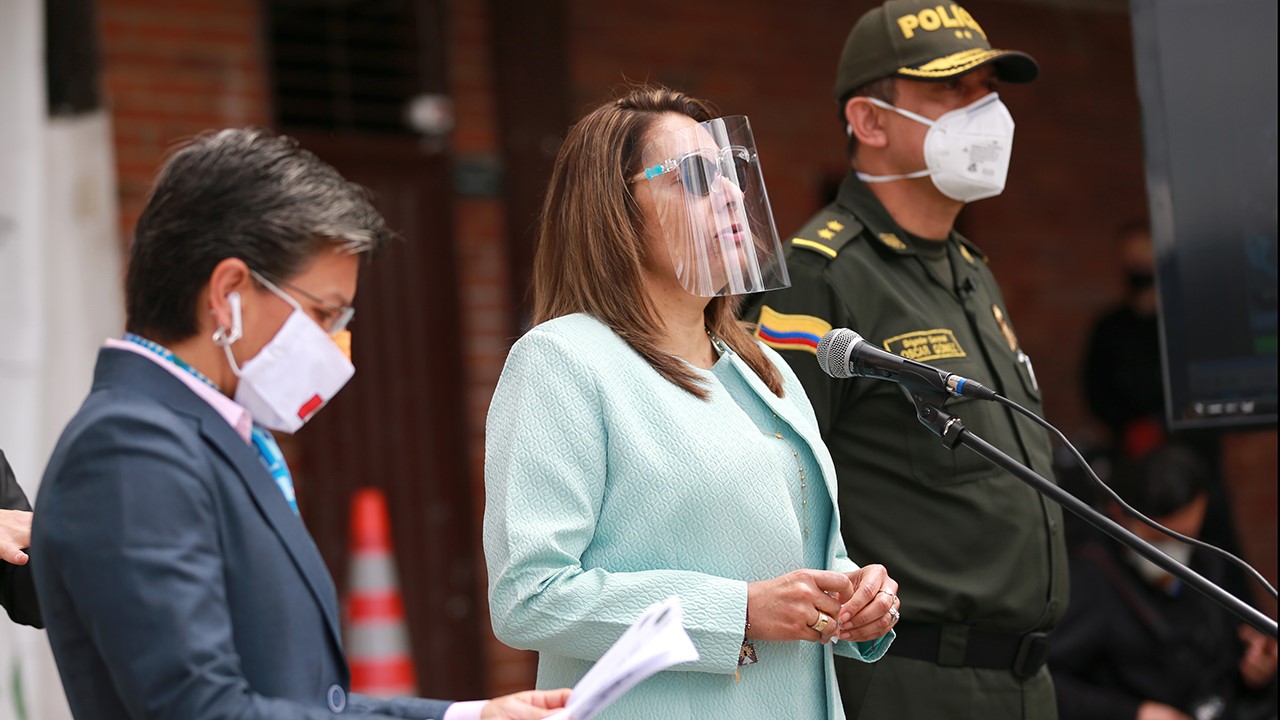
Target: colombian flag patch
{"x": 791, "y": 332}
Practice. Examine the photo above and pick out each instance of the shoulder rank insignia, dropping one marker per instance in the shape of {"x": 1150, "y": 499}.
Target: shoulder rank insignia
{"x": 826, "y": 234}
{"x": 790, "y": 332}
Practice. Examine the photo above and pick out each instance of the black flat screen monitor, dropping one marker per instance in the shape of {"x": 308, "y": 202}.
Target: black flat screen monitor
{"x": 1207, "y": 81}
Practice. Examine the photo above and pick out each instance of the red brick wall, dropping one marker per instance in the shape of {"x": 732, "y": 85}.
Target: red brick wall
{"x": 172, "y": 69}
{"x": 1077, "y": 171}
{"x": 175, "y": 68}
{"x": 480, "y": 231}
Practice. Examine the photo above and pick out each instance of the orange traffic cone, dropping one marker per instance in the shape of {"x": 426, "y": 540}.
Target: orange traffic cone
{"x": 377, "y": 638}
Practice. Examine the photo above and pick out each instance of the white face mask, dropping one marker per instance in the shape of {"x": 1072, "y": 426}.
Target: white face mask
{"x": 966, "y": 150}
{"x": 294, "y": 375}
{"x": 1152, "y": 572}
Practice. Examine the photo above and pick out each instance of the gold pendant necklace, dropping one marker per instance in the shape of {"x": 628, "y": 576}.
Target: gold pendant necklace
{"x": 804, "y": 481}
{"x": 777, "y": 432}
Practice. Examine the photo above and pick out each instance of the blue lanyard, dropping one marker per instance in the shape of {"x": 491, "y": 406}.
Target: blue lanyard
{"x": 268, "y": 451}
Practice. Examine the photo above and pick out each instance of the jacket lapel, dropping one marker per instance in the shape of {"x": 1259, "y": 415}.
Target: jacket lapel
{"x": 273, "y": 506}
{"x": 789, "y": 412}
{"x": 145, "y": 376}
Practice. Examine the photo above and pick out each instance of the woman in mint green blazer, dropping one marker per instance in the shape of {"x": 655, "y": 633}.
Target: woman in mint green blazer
{"x": 640, "y": 444}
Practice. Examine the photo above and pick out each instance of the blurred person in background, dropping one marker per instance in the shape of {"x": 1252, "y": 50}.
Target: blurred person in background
{"x": 1122, "y": 376}
{"x": 641, "y": 444}
{"x": 980, "y": 555}
{"x": 1136, "y": 643}
{"x": 1124, "y": 385}
{"x": 17, "y": 590}
{"x": 175, "y": 574}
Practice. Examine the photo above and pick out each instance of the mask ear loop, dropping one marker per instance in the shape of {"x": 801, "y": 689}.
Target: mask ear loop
{"x": 864, "y": 177}
{"x": 224, "y": 338}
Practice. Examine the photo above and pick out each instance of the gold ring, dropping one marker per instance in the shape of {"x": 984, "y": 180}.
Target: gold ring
{"x": 821, "y": 623}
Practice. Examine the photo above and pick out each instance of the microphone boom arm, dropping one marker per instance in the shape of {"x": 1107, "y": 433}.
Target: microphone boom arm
{"x": 953, "y": 432}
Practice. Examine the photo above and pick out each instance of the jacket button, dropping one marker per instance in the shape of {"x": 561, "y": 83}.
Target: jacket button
{"x": 337, "y": 698}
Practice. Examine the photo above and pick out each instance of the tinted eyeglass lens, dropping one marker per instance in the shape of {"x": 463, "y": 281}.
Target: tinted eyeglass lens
{"x": 742, "y": 168}
{"x": 698, "y": 173}
{"x": 343, "y": 319}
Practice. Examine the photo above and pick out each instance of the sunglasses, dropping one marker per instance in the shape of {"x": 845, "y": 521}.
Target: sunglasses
{"x": 699, "y": 171}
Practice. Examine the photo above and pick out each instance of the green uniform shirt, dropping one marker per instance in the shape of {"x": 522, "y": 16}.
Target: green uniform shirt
{"x": 969, "y": 543}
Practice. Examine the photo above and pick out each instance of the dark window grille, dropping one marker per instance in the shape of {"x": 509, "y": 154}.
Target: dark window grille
{"x": 72, "y": 53}
{"x": 351, "y": 65}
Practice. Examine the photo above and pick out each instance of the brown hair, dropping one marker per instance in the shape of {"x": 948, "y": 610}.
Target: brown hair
{"x": 591, "y": 242}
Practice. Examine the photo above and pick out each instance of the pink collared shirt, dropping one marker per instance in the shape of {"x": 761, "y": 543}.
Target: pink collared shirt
{"x": 236, "y": 416}
{"x": 242, "y": 422}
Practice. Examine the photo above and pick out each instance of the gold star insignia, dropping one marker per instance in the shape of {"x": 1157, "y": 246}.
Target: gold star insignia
{"x": 835, "y": 225}
{"x": 826, "y": 234}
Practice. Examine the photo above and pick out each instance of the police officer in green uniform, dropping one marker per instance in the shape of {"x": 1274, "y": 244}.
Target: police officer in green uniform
{"x": 979, "y": 555}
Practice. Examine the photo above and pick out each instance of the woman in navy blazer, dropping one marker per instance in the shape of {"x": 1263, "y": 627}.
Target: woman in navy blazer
{"x": 176, "y": 577}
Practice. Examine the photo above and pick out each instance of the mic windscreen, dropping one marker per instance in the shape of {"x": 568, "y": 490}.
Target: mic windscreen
{"x": 833, "y": 352}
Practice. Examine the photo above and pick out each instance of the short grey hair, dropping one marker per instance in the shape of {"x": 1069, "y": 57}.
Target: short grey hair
{"x": 244, "y": 193}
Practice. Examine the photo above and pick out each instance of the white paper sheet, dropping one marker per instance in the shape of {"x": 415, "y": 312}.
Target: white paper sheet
{"x": 652, "y": 644}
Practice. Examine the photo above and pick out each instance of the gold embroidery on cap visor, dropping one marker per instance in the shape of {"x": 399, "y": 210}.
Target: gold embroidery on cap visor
{"x": 954, "y": 64}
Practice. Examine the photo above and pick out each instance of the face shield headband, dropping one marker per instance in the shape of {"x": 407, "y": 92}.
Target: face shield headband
{"x": 713, "y": 210}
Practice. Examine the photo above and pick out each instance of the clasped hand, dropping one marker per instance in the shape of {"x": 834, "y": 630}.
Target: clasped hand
{"x": 860, "y": 605}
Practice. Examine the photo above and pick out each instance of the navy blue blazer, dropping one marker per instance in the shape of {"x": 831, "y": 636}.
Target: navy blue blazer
{"x": 175, "y": 580}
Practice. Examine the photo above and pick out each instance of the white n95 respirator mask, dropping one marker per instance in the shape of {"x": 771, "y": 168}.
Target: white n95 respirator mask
{"x": 294, "y": 375}
{"x": 966, "y": 151}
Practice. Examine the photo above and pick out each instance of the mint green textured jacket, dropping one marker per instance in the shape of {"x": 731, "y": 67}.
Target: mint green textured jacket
{"x": 609, "y": 489}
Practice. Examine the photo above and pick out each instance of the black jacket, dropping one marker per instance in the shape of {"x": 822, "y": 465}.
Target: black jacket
{"x": 17, "y": 591}
{"x": 1124, "y": 641}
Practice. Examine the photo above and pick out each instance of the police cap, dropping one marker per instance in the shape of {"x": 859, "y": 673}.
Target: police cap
{"x": 922, "y": 40}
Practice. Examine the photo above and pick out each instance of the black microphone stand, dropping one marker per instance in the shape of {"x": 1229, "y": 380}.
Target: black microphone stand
{"x": 929, "y": 401}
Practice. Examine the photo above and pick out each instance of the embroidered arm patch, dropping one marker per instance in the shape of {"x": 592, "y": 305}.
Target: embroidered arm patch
{"x": 790, "y": 332}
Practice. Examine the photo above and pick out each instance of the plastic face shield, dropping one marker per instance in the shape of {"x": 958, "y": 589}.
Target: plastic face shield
{"x": 713, "y": 209}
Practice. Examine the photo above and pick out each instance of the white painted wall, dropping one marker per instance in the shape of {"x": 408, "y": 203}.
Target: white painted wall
{"x": 60, "y": 296}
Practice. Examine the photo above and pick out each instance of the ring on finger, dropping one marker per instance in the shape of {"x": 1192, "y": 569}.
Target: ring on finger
{"x": 891, "y": 595}
{"x": 893, "y": 612}
{"x": 821, "y": 623}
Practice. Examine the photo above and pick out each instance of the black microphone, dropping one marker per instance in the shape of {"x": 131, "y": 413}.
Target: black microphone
{"x": 843, "y": 353}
